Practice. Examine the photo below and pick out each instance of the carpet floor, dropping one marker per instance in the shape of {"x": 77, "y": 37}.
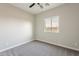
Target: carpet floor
{"x": 37, "y": 48}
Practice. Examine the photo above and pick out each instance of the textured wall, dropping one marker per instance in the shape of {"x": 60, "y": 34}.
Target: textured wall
{"x": 16, "y": 26}
{"x": 68, "y": 26}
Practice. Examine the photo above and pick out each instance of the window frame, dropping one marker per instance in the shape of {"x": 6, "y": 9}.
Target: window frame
{"x": 51, "y": 30}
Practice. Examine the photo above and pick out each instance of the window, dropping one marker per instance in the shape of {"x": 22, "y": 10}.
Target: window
{"x": 52, "y": 24}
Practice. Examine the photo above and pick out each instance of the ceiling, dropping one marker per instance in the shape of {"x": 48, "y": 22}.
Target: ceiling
{"x": 35, "y": 9}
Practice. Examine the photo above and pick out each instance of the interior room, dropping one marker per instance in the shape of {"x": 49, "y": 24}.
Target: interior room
{"x": 39, "y": 29}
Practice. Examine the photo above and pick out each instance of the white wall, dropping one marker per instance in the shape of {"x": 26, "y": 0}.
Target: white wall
{"x": 68, "y": 24}
{"x": 16, "y": 26}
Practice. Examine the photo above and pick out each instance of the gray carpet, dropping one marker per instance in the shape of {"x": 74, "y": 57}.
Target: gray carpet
{"x": 37, "y": 48}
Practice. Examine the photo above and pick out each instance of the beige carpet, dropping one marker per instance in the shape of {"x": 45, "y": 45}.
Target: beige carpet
{"x": 37, "y": 48}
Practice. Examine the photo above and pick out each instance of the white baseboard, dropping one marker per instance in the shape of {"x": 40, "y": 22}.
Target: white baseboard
{"x": 59, "y": 45}
{"x": 15, "y": 45}
{"x": 39, "y": 40}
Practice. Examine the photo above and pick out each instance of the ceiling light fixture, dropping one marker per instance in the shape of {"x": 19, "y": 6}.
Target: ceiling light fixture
{"x": 39, "y": 4}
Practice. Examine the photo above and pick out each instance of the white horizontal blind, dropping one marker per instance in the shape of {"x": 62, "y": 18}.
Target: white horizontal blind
{"x": 52, "y": 24}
